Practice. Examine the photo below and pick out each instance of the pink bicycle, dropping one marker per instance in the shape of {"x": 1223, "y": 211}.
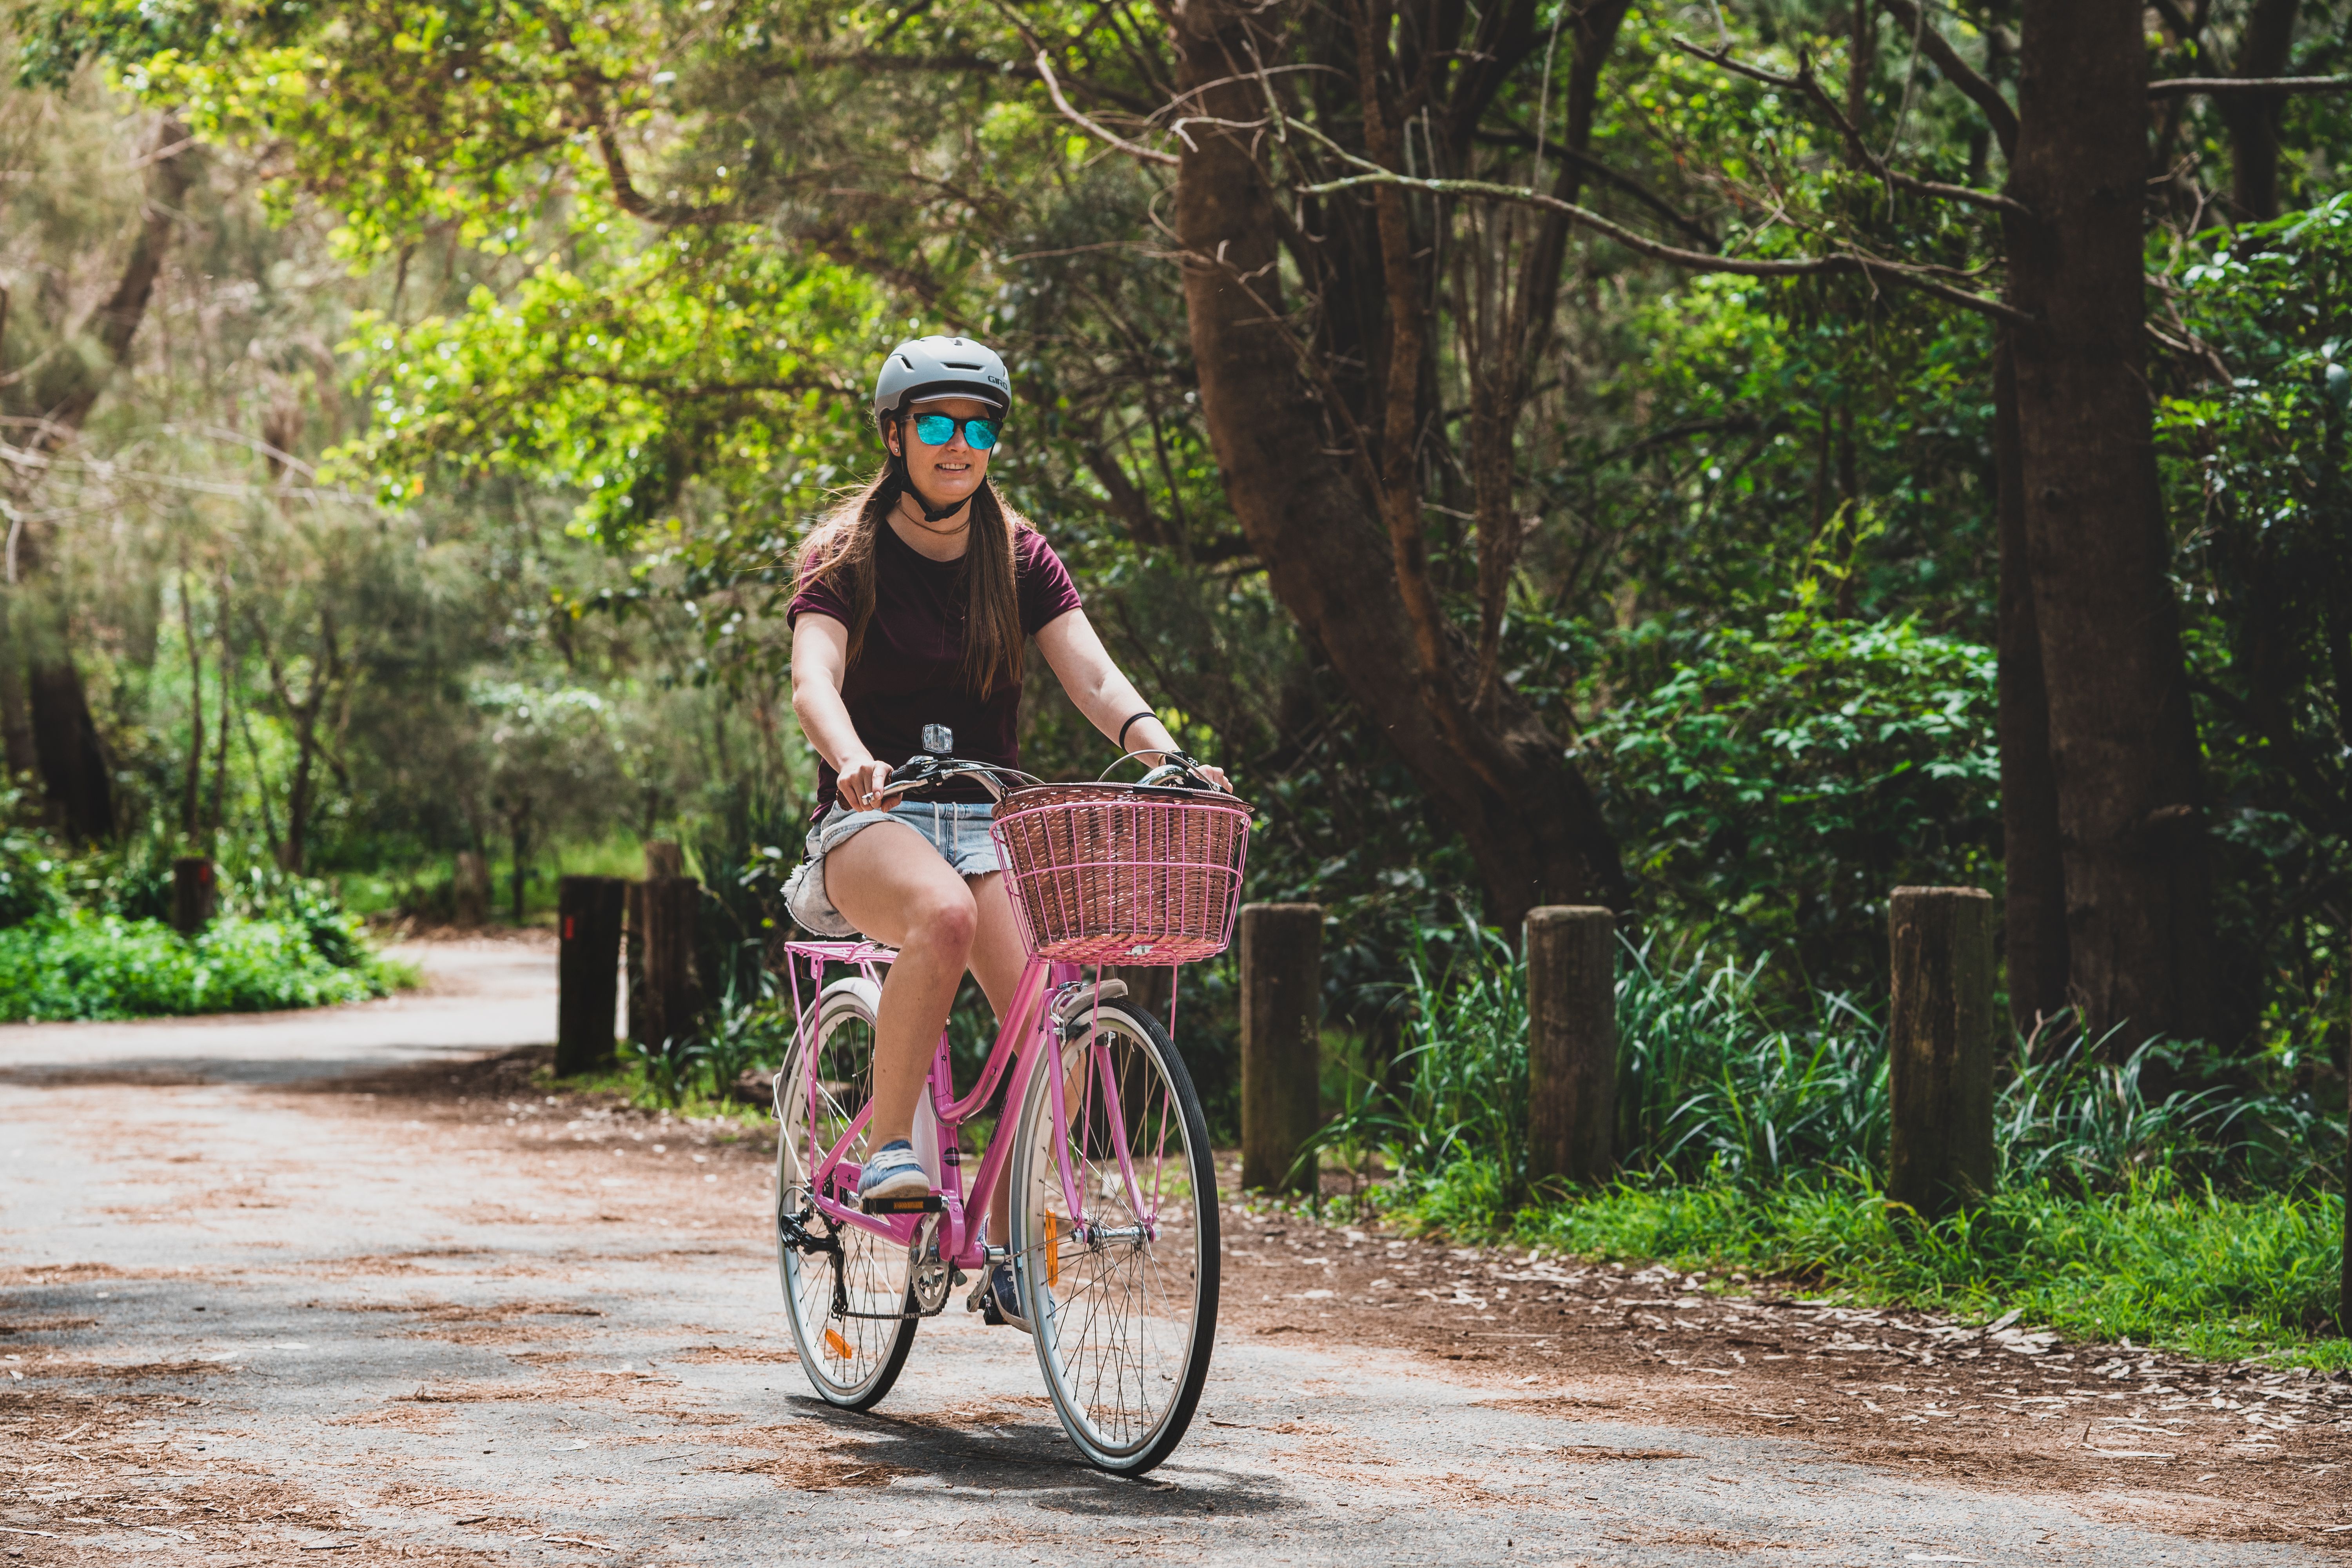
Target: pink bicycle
{"x": 1113, "y": 1210}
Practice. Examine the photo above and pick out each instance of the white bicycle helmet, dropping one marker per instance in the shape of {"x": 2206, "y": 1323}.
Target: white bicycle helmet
{"x": 941, "y": 367}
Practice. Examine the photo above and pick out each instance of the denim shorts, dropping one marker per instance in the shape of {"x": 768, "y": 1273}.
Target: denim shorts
{"x": 957, "y": 829}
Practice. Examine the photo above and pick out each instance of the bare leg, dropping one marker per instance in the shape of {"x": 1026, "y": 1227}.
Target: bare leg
{"x": 894, "y": 886}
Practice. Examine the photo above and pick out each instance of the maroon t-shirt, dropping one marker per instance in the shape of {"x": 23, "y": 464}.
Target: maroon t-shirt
{"x": 908, "y": 672}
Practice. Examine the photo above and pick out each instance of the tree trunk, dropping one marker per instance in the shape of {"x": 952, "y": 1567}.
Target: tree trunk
{"x": 1527, "y": 816}
{"x": 16, "y": 703}
{"x": 73, "y": 761}
{"x": 2123, "y": 741}
{"x": 192, "y": 801}
{"x": 2265, "y": 47}
{"x": 2033, "y": 866}
{"x": 72, "y": 764}
{"x": 518, "y": 838}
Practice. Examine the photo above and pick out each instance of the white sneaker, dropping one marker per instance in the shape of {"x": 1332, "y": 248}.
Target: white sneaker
{"x": 893, "y": 1172}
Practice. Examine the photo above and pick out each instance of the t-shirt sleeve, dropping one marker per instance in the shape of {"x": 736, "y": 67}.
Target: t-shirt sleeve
{"x": 817, "y": 593}
{"x": 1042, "y": 581}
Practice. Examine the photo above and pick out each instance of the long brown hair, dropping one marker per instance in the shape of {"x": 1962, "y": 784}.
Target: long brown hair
{"x": 840, "y": 552}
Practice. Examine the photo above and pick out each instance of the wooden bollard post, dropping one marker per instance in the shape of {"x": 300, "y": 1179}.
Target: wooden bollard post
{"x": 668, "y": 1009}
{"x": 193, "y": 888}
{"x": 1940, "y": 1042}
{"x": 664, "y": 859}
{"x": 1571, "y": 1042}
{"x": 588, "y": 971}
{"x": 1282, "y": 1043}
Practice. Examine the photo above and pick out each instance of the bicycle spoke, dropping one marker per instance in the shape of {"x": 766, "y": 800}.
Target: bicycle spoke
{"x": 1119, "y": 1327}
{"x": 846, "y": 1301}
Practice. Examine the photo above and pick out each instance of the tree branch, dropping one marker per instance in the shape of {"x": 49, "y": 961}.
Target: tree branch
{"x": 2184, "y": 86}
{"x": 1960, "y": 74}
{"x": 1804, "y": 81}
{"x": 1053, "y": 90}
{"x": 1617, "y": 178}
{"x": 1699, "y": 260}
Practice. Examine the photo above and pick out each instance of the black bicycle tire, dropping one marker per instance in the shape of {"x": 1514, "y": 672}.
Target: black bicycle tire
{"x": 1207, "y": 1243}
{"x": 894, "y": 1362}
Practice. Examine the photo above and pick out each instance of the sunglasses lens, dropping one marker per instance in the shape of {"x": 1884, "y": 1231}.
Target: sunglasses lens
{"x": 934, "y": 429}
{"x": 982, "y": 433}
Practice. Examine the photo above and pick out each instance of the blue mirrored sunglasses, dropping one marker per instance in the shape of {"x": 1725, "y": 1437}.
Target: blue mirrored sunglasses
{"x": 938, "y": 429}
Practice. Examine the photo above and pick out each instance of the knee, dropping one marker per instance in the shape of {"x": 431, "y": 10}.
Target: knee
{"x": 947, "y": 923}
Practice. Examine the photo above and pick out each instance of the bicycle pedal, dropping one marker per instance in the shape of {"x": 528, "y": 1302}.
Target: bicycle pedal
{"x": 929, "y": 1203}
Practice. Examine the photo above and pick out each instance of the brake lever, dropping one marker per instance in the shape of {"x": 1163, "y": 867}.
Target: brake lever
{"x": 1183, "y": 765}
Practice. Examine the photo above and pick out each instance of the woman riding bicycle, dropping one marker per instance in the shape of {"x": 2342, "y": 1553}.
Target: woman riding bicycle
{"x": 916, "y": 599}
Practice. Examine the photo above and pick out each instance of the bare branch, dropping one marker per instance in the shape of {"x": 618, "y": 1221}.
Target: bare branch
{"x": 1908, "y": 276}
{"x": 2184, "y": 86}
{"x": 1053, "y": 90}
{"x": 1804, "y": 81}
{"x": 1996, "y": 109}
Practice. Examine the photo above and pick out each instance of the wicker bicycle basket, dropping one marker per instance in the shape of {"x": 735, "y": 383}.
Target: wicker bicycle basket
{"x": 1109, "y": 873}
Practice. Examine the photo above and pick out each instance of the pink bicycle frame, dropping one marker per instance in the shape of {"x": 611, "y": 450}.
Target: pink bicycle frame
{"x": 1026, "y": 1024}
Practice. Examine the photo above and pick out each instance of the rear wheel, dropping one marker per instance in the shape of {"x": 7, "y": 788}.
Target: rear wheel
{"x": 1121, "y": 1294}
{"x": 845, "y": 1289}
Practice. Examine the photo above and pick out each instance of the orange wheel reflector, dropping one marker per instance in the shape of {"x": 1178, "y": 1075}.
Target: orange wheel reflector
{"x": 1053, "y": 1255}
{"x": 838, "y": 1346}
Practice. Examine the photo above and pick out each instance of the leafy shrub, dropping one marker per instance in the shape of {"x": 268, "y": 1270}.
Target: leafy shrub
{"x": 80, "y": 964}
{"x": 1775, "y": 783}
{"x": 32, "y": 881}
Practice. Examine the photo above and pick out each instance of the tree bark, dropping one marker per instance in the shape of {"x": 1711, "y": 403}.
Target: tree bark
{"x": 2265, "y": 48}
{"x": 74, "y": 771}
{"x": 2123, "y": 741}
{"x": 16, "y": 704}
{"x": 1315, "y": 521}
{"x": 192, "y": 793}
{"x": 2033, "y": 863}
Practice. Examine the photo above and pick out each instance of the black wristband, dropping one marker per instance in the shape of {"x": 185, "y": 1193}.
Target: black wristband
{"x": 1123, "y": 729}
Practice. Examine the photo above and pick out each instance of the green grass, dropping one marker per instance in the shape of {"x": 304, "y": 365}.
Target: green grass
{"x": 84, "y": 965}
{"x": 627, "y": 1081}
{"x": 2206, "y": 1219}
{"x": 2161, "y": 1262}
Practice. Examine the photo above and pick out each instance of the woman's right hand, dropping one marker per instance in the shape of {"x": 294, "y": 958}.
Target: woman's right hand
{"x": 861, "y": 785}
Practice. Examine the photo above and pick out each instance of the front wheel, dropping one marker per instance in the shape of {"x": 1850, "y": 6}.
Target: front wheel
{"x": 1119, "y": 1286}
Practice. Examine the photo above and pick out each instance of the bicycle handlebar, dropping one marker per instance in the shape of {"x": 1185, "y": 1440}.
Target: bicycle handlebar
{"x": 930, "y": 770}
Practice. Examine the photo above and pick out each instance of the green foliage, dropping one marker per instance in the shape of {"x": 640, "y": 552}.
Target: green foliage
{"x": 79, "y": 964}
{"x": 1461, "y": 1075}
{"x": 1714, "y": 1078}
{"x": 1779, "y": 781}
{"x": 2257, "y": 435}
{"x": 1752, "y": 1139}
{"x": 31, "y": 880}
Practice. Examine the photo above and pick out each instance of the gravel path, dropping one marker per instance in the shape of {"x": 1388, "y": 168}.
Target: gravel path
{"x": 429, "y": 1311}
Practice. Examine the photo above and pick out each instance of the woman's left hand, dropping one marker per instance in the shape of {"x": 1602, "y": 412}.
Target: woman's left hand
{"x": 1217, "y": 776}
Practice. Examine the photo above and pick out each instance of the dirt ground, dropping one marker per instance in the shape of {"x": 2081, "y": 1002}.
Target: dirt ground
{"x": 2221, "y": 1451}
{"x": 502, "y": 1340}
